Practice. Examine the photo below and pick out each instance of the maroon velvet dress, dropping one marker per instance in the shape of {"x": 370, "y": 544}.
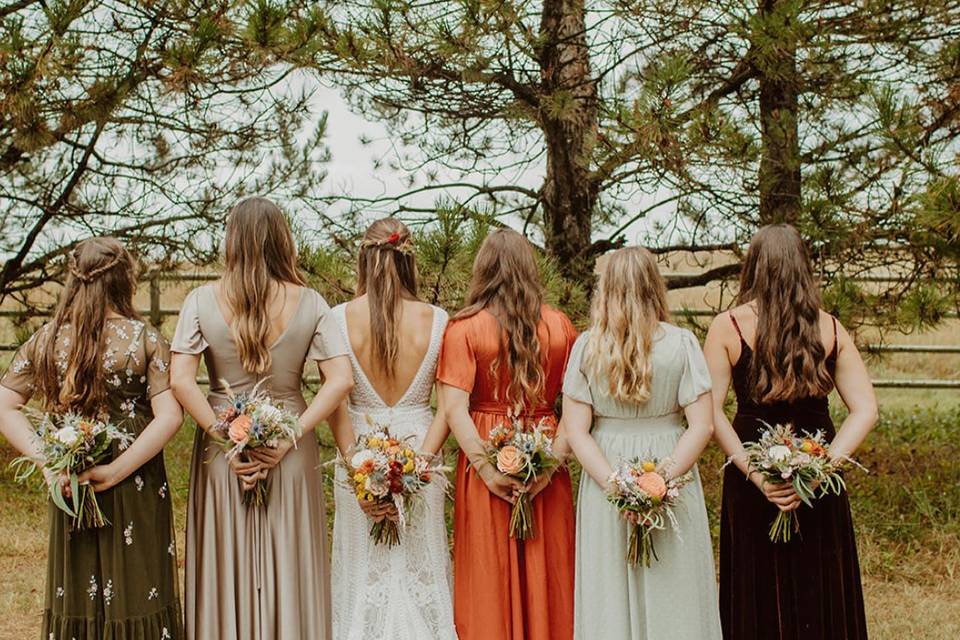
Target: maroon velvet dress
{"x": 805, "y": 589}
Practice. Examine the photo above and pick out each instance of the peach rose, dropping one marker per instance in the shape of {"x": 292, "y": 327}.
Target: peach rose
{"x": 240, "y": 428}
{"x": 509, "y": 460}
{"x": 653, "y": 485}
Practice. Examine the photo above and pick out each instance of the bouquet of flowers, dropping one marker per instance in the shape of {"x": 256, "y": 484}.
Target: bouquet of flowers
{"x": 523, "y": 454}
{"x": 70, "y": 444}
{"x": 251, "y": 420}
{"x": 782, "y": 456}
{"x": 386, "y": 469}
{"x": 639, "y": 491}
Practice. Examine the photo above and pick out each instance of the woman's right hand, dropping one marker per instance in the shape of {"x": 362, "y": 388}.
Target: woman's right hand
{"x": 249, "y": 472}
{"x": 783, "y": 495}
{"x": 504, "y": 487}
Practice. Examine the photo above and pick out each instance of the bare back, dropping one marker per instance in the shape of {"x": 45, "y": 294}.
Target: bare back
{"x": 414, "y": 330}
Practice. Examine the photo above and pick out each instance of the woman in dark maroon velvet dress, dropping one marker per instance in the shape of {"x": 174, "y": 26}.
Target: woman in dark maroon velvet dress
{"x": 784, "y": 356}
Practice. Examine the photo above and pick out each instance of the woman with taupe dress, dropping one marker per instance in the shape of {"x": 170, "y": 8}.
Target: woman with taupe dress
{"x": 257, "y": 572}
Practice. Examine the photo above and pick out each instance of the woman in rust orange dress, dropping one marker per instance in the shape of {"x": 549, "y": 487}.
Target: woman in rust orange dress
{"x": 506, "y": 352}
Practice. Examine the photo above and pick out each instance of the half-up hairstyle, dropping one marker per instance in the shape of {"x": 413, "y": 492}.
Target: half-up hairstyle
{"x": 789, "y": 359}
{"x": 506, "y": 283}
{"x": 101, "y": 277}
{"x": 628, "y": 306}
{"x": 386, "y": 273}
{"x": 260, "y": 256}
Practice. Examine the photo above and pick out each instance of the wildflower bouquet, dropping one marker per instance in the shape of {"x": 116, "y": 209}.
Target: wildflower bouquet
{"x": 781, "y": 456}
{"x": 69, "y": 445}
{"x": 642, "y": 495}
{"x": 386, "y": 469}
{"x": 524, "y": 454}
{"x": 251, "y": 420}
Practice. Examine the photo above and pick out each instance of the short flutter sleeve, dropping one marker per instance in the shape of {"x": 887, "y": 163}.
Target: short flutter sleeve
{"x": 695, "y": 379}
{"x": 575, "y": 384}
{"x": 328, "y": 341}
{"x": 188, "y": 338}
{"x": 157, "y": 350}
{"x": 20, "y": 374}
{"x": 457, "y": 366}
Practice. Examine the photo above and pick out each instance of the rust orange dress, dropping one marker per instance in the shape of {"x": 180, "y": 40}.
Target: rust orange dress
{"x": 505, "y": 589}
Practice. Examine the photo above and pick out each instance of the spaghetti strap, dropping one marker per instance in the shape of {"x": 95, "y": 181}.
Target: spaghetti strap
{"x": 836, "y": 338}
{"x": 736, "y": 326}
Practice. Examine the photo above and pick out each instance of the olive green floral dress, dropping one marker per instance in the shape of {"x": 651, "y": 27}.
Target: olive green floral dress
{"x": 118, "y": 582}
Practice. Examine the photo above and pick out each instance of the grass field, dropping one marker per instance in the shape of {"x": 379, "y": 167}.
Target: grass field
{"x": 907, "y": 511}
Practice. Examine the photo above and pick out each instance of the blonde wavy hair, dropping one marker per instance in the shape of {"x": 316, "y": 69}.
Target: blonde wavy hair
{"x": 629, "y": 303}
{"x": 506, "y": 282}
{"x": 260, "y": 256}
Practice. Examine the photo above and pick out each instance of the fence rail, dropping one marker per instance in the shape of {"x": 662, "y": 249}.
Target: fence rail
{"x": 157, "y": 313}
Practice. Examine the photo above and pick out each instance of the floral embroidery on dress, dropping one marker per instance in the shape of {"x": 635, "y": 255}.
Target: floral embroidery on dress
{"x": 165, "y": 635}
{"x": 129, "y": 407}
{"x": 128, "y": 534}
{"x": 19, "y": 365}
{"x": 172, "y": 549}
{"x": 154, "y": 593}
{"x": 163, "y": 490}
{"x": 92, "y": 591}
{"x": 59, "y": 592}
{"x": 108, "y": 592}
{"x": 137, "y": 480}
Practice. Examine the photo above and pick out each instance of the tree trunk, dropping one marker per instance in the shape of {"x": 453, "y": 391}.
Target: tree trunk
{"x": 779, "y": 177}
{"x": 568, "y": 118}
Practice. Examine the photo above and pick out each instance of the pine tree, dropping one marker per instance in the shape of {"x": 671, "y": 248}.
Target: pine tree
{"x": 142, "y": 120}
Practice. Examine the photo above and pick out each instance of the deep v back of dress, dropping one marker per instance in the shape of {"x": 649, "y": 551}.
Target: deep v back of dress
{"x": 402, "y": 592}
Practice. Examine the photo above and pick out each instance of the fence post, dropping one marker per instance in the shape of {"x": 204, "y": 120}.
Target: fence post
{"x": 156, "y": 318}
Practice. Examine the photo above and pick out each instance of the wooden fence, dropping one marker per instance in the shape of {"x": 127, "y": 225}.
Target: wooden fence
{"x": 156, "y": 313}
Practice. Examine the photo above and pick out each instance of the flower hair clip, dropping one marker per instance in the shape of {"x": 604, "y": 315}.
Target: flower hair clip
{"x": 395, "y": 242}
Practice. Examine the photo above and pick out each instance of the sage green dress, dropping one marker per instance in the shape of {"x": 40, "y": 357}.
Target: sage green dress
{"x": 676, "y": 597}
{"x": 118, "y": 582}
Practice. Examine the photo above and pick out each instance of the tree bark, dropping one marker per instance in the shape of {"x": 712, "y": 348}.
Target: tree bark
{"x": 779, "y": 176}
{"x": 569, "y": 120}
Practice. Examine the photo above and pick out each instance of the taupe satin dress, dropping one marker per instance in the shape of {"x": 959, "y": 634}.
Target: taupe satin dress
{"x": 257, "y": 574}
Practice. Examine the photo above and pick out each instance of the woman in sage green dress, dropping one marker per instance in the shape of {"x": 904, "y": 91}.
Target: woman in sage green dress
{"x": 97, "y": 359}
{"x": 631, "y": 378}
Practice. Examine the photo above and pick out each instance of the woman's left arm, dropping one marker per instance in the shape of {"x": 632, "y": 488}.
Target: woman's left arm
{"x": 695, "y": 438}
{"x": 856, "y": 390}
{"x": 167, "y": 418}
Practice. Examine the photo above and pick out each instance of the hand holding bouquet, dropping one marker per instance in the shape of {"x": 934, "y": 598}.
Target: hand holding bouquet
{"x": 253, "y": 420}
{"x": 386, "y": 470}
{"x": 69, "y": 445}
{"x": 782, "y": 457}
{"x": 523, "y": 454}
{"x": 645, "y": 498}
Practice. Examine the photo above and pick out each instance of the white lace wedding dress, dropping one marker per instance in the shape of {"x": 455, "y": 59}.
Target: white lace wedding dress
{"x": 402, "y": 592}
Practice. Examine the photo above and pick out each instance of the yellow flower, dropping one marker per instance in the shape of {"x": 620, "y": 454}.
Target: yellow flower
{"x": 408, "y": 453}
{"x": 359, "y": 478}
{"x": 407, "y": 468}
{"x": 374, "y": 442}
{"x": 649, "y": 466}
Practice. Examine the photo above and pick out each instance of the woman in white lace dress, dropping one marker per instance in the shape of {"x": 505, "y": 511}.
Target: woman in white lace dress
{"x": 404, "y": 591}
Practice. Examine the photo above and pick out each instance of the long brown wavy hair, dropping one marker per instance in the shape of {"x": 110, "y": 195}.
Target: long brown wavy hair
{"x": 386, "y": 273}
{"x": 506, "y": 283}
{"x": 260, "y": 256}
{"x": 628, "y": 306}
{"x": 101, "y": 277}
{"x": 789, "y": 359}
